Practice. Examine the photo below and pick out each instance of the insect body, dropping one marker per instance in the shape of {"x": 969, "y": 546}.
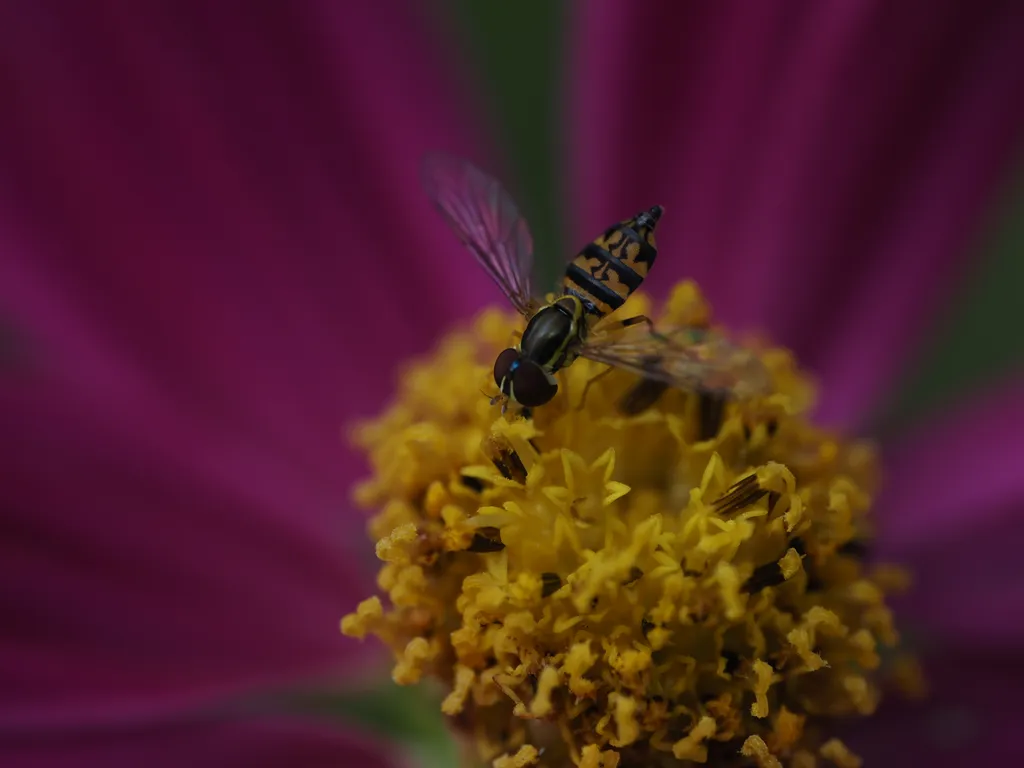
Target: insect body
{"x": 597, "y": 282}
{"x": 608, "y": 270}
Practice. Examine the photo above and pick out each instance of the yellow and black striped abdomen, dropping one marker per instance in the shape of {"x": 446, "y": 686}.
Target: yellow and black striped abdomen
{"x": 608, "y": 270}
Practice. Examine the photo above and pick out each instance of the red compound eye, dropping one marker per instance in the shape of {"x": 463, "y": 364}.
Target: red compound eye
{"x": 531, "y": 386}
{"x": 503, "y": 369}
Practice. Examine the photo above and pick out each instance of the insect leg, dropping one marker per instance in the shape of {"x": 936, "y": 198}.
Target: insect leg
{"x": 630, "y": 321}
{"x": 642, "y": 396}
{"x": 586, "y": 387}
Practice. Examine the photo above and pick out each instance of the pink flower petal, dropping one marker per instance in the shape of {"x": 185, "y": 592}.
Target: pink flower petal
{"x": 256, "y": 743}
{"x": 952, "y": 509}
{"x": 215, "y": 251}
{"x": 823, "y": 165}
{"x": 971, "y": 717}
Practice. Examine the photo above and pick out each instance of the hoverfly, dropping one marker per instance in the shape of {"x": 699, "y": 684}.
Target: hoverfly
{"x": 598, "y": 281}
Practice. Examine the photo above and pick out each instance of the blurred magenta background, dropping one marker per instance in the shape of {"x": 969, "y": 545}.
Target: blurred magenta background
{"x": 215, "y": 252}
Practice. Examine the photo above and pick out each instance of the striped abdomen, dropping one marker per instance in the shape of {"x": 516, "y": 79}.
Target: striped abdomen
{"x": 608, "y": 270}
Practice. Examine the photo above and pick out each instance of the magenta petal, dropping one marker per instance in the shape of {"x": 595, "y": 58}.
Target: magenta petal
{"x": 823, "y": 165}
{"x": 257, "y": 743}
{"x": 971, "y": 717}
{"x": 951, "y": 510}
{"x": 215, "y": 250}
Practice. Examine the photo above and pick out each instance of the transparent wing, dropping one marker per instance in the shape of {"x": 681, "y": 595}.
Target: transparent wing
{"x": 688, "y": 358}
{"x": 487, "y": 221}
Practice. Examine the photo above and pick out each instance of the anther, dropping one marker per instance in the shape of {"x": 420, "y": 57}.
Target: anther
{"x": 487, "y": 539}
{"x": 474, "y": 484}
{"x": 742, "y": 494}
{"x": 549, "y": 583}
{"x": 505, "y": 459}
{"x": 712, "y": 411}
{"x": 767, "y": 575}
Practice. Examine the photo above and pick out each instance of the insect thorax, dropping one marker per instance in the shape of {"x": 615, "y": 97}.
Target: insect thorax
{"x": 552, "y": 333}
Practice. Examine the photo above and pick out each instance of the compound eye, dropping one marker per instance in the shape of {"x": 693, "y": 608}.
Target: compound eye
{"x": 503, "y": 367}
{"x": 531, "y": 386}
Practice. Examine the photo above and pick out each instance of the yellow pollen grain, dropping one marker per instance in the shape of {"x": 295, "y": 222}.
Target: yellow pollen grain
{"x": 526, "y": 755}
{"x": 542, "y": 706}
{"x": 790, "y": 564}
{"x": 764, "y": 676}
{"x": 626, "y": 726}
{"x": 593, "y": 757}
{"x": 755, "y": 748}
{"x": 692, "y": 747}
{"x": 836, "y": 751}
{"x": 607, "y": 589}
{"x": 786, "y": 731}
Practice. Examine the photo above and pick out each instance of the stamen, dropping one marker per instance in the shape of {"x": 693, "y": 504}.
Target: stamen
{"x": 473, "y": 483}
{"x": 712, "y": 411}
{"x": 743, "y": 494}
{"x": 505, "y": 459}
{"x": 550, "y": 583}
{"x": 767, "y": 575}
{"x": 486, "y": 540}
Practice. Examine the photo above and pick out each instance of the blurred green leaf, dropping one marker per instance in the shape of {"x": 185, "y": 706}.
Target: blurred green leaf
{"x": 519, "y": 47}
{"x": 409, "y": 715}
{"x": 979, "y": 338}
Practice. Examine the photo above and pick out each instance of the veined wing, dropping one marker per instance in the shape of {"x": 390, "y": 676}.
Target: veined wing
{"x": 683, "y": 357}
{"x": 486, "y": 219}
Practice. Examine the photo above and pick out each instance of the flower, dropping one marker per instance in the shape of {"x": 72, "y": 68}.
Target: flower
{"x": 190, "y": 552}
{"x": 191, "y": 225}
{"x": 630, "y": 583}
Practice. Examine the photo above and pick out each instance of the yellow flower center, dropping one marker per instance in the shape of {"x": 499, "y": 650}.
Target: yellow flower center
{"x": 643, "y": 578}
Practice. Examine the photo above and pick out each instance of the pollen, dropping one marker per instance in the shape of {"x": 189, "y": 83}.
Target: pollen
{"x": 634, "y": 575}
